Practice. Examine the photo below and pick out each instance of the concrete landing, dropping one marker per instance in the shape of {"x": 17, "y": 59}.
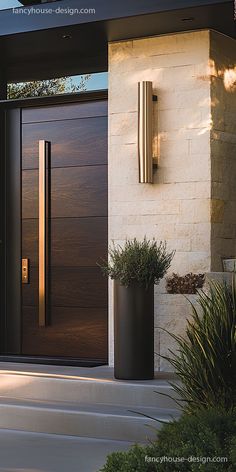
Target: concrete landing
{"x": 82, "y": 385}
{"x": 105, "y": 373}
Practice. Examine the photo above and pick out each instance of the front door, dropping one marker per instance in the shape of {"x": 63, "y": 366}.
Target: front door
{"x": 66, "y": 213}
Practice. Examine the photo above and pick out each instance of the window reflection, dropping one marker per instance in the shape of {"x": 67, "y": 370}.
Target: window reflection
{"x": 62, "y": 85}
{"x": 8, "y": 4}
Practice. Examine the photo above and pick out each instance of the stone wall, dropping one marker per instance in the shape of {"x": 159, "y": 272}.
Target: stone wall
{"x": 191, "y": 203}
{"x": 223, "y": 148}
{"x": 176, "y": 208}
{"x": 171, "y": 312}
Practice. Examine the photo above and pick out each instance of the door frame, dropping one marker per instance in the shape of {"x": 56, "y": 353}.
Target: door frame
{"x": 11, "y": 226}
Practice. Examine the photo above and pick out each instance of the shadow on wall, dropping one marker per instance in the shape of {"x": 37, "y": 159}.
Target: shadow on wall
{"x": 227, "y": 74}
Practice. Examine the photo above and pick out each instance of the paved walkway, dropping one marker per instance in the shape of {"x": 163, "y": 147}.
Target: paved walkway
{"x": 36, "y": 452}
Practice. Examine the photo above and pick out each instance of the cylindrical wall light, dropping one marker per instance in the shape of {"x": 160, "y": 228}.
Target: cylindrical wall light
{"x": 145, "y": 103}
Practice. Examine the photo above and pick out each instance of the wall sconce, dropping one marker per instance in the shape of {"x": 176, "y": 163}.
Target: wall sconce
{"x": 145, "y": 131}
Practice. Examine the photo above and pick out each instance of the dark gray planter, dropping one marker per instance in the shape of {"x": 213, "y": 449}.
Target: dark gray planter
{"x": 134, "y": 332}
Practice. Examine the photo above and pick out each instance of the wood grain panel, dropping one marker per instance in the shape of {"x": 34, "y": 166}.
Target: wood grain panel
{"x": 72, "y": 332}
{"x": 75, "y": 192}
{"x": 64, "y": 112}
{"x": 30, "y": 193}
{"x": 70, "y": 286}
{"x": 74, "y": 241}
{"x": 73, "y": 142}
{"x": 78, "y": 230}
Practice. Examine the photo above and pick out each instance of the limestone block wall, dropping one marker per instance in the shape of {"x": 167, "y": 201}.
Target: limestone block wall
{"x": 223, "y": 147}
{"x": 171, "y": 313}
{"x": 177, "y": 207}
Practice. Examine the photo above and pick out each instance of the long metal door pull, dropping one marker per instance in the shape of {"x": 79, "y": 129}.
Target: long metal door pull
{"x": 44, "y": 157}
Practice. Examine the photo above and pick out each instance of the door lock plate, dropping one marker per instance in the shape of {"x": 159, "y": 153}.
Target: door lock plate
{"x": 25, "y": 271}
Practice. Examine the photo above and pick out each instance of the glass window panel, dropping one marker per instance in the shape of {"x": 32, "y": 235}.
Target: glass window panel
{"x": 7, "y": 4}
{"x": 77, "y": 83}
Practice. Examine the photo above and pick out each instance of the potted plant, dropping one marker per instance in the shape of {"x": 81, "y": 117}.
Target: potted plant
{"x": 135, "y": 268}
{"x": 187, "y": 284}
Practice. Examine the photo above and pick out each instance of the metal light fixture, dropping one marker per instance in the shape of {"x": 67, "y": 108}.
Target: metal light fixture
{"x": 145, "y": 131}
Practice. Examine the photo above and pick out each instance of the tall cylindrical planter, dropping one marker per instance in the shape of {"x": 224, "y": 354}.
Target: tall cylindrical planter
{"x": 133, "y": 332}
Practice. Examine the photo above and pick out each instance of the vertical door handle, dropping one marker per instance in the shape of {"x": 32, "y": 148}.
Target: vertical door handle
{"x": 44, "y": 169}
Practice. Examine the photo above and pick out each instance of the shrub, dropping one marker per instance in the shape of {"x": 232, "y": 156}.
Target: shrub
{"x": 205, "y": 361}
{"x": 204, "y": 434}
{"x": 188, "y": 283}
{"x": 233, "y": 452}
{"x": 130, "y": 461}
{"x": 143, "y": 262}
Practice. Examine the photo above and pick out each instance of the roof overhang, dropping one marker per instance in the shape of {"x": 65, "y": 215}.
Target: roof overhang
{"x": 44, "y": 45}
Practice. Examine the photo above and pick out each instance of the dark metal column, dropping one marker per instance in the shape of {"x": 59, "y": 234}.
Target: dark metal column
{"x": 13, "y": 231}
{"x": 3, "y": 95}
{"x": 3, "y": 87}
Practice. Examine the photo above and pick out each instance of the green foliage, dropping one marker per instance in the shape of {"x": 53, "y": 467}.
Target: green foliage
{"x": 42, "y": 88}
{"x": 207, "y": 433}
{"x": 131, "y": 461}
{"x": 143, "y": 262}
{"x": 233, "y": 452}
{"x": 205, "y": 361}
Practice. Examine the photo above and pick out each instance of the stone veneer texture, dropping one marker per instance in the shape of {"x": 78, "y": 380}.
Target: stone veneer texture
{"x": 178, "y": 207}
{"x": 223, "y": 148}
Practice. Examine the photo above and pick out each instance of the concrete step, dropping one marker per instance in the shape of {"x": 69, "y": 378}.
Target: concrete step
{"x": 100, "y": 421}
{"x": 36, "y": 452}
{"x": 82, "y": 386}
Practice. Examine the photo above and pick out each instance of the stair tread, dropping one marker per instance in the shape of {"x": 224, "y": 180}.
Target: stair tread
{"x": 88, "y": 408}
{"x": 51, "y": 452}
{"x": 68, "y": 437}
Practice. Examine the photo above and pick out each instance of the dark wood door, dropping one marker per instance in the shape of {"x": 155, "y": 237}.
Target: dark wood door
{"x": 77, "y": 322}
